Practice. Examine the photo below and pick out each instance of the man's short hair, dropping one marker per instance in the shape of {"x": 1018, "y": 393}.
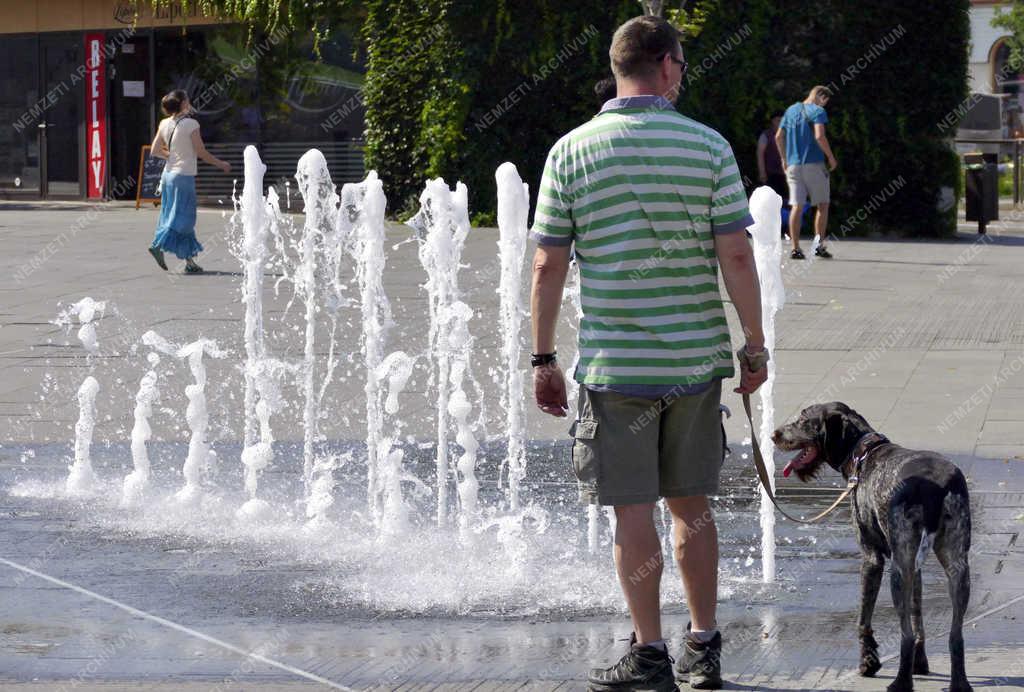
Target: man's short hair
{"x": 639, "y": 44}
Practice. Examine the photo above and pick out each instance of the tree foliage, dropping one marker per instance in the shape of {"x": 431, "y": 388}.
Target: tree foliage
{"x": 897, "y": 70}
{"x": 1012, "y": 19}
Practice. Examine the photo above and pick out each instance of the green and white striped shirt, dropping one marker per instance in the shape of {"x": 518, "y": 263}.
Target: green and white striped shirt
{"x": 640, "y": 190}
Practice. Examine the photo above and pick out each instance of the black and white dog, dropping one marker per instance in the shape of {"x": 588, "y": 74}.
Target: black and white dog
{"x": 905, "y": 502}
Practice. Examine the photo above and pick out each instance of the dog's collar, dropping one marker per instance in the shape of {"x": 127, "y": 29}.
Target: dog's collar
{"x": 865, "y": 444}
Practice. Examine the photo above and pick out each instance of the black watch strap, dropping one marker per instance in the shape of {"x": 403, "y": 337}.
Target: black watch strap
{"x": 539, "y": 359}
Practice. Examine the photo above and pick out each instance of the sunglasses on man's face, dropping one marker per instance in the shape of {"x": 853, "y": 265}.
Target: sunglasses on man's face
{"x": 682, "y": 63}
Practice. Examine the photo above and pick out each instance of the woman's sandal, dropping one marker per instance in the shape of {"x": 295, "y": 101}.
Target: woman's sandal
{"x": 797, "y": 254}
{"x": 193, "y": 268}
{"x": 158, "y": 255}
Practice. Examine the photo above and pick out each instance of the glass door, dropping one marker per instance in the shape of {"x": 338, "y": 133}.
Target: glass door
{"x": 61, "y": 88}
{"x": 131, "y": 112}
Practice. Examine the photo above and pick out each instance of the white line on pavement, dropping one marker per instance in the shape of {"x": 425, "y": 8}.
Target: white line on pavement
{"x": 175, "y": 626}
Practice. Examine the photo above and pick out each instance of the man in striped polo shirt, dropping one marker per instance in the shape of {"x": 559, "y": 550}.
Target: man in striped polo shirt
{"x": 652, "y": 203}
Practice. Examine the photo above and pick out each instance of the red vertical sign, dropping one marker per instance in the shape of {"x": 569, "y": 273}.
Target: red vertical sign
{"x": 95, "y": 113}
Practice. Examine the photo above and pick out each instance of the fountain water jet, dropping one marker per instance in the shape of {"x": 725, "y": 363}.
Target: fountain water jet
{"x": 82, "y": 479}
{"x": 319, "y": 198}
{"x": 442, "y": 224}
{"x": 197, "y": 417}
{"x": 571, "y": 293}
{"x": 137, "y": 482}
{"x": 395, "y": 369}
{"x": 265, "y": 374}
{"x": 252, "y": 207}
{"x": 513, "y": 211}
{"x": 460, "y": 345}
{"x": 765, "y": 207}
{"x": 361, "y": 228}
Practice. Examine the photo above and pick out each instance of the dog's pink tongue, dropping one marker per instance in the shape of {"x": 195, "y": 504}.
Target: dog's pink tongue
{"x": 788, "y": 470}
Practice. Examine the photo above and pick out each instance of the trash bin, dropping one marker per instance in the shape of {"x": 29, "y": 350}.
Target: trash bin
{"x": 982, "y": 189}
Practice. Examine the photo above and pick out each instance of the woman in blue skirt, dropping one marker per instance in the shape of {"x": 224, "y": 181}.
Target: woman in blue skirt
{"x": 178, "y": 140}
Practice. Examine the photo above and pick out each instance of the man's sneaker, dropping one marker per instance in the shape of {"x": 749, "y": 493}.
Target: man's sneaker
{"x": 797, "y": 254}
{"x": 642, "y": 668}
{"x": 822, "y": 251}
{"x": 701, "y": 664}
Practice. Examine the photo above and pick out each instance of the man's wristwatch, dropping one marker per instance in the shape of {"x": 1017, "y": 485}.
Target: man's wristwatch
{"x": 539, "y": 359}
{"x": 753, "y": 361}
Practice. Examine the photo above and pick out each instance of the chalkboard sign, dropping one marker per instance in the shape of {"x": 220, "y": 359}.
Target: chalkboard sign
{"x": 150, "y": 170}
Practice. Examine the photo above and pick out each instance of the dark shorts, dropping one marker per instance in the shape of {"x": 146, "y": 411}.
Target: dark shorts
{"x": 630, "y": 450}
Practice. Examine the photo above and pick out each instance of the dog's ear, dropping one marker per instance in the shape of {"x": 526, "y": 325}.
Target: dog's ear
{"x": 839, "y": 437}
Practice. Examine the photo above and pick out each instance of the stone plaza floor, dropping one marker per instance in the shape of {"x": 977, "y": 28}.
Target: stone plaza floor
{"x": 924, "y": 338}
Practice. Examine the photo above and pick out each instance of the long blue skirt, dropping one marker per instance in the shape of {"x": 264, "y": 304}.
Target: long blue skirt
{"x": 176, "y": 229}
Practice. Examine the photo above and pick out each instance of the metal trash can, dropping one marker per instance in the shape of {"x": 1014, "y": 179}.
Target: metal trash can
{"x": 982, "y": 189}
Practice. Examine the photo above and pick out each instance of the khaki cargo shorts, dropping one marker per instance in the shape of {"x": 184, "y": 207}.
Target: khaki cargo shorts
{"x": 630, "y": 450}
{"x": 808, "y": 179}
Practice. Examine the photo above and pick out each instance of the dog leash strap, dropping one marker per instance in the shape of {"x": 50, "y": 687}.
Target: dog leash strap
{"x": 766, "y": 481}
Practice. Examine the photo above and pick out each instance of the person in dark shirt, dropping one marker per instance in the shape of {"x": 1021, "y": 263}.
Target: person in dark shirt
{"x": 770, "y": 171}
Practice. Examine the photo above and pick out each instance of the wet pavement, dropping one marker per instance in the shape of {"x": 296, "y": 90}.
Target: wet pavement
{"x": 925, "y": 339}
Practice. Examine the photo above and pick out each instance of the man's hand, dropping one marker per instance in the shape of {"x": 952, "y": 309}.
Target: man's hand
{"x": 750, "y": 380}
{"x": 549, "y": 390}
{"x": 832, "y": 163}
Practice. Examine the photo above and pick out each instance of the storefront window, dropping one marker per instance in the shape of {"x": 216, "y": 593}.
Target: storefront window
{"x": 310, "y": 100}
{"x": 210, "y": 63}
{"x": 19, "y": 150}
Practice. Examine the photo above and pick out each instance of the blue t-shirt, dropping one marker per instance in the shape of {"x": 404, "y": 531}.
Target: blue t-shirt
{"x": 798, "y": 123}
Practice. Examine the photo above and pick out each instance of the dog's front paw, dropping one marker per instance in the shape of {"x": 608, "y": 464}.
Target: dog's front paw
{"x": 869, "y": 663}
{"x": 963, "y": 686}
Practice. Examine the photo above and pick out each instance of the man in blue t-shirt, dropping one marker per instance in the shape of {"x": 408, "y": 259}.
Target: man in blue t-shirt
{"x": 808, "y": 158}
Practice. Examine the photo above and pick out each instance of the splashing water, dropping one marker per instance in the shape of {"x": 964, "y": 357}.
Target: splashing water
{"x": 396, "y": 369}
{"x": 137, "y": 482}
{"x": 320, "y": 200}
{"x": 252, "y": 208}
{"x": 197, "y": 417}
{"x": 460, "y": 345}
{"x": 571, "y": 293}
{"x": 88, "y": 312}
{"x": 441, "y": 225}
{"x": 82, "y": 478}
{"x": 391, "y": 557}
{"x": 513, "y": 211}
{"x": 361, "y": 229}
{"x": 765, "y": 206}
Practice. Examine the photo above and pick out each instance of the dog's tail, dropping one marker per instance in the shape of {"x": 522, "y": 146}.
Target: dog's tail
{"x": 927, "y": 539}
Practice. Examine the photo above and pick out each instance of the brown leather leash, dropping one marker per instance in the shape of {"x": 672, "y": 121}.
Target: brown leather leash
{"x": 766, "y": 481}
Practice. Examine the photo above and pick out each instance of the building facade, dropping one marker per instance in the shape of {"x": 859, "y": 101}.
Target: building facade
{"x": 988, "y": 49}
{"x": 81, "y": 82}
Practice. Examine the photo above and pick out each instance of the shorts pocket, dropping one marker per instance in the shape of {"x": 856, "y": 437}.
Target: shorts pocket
{"x": 584, "y": 452}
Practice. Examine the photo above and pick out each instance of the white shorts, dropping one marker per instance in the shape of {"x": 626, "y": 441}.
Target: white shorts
{"x": 808, "y": 179}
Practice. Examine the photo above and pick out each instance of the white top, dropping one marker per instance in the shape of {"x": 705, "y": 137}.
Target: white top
{"x": 177, "y": 135}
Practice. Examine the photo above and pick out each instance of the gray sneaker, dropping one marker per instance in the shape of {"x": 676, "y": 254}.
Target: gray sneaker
{"x": 701, "y": 664}
{"x": 642, "y": 669}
